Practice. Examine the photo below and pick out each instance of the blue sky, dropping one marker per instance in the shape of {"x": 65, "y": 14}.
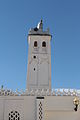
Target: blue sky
{"x": 63, "y": 19}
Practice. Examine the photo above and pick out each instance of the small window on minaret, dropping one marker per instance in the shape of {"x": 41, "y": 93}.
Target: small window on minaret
{"x": 34, "y": 57}
{"x": 35, "y": 43}
{"x": 43, "y": 44}
{"x": 34, "y": 69}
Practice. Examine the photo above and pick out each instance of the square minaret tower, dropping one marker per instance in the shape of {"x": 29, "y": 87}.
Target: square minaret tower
{"x": 39, "y": 58}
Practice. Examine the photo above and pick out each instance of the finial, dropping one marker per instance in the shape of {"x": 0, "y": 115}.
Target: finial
{"x": 41, "y": 21}
{"x": 40, "y": 25}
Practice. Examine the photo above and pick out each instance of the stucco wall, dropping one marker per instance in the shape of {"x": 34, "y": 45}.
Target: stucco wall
{"x": 55, "y": 107}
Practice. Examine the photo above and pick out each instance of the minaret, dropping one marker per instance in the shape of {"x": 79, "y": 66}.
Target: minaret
{"x": 39, "y": 58}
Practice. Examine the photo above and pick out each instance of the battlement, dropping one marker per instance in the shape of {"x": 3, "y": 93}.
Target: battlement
{"x": 39, "y": 30}
{"x": 42, "y": 92}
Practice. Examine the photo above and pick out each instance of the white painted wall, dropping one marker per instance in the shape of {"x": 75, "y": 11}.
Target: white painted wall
{"x": 29, "y": 108}
{"x": 1, "y": 108}
{"x": 14, "y": 104}
{"x": 41, "y": 77}
{"x": 55, "y": 107}
{"x": 60, "y": 108}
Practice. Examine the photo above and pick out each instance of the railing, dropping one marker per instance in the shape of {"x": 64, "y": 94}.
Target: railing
{"x": 42, "y": 92}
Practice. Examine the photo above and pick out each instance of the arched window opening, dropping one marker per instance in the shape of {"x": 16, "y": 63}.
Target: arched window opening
{"x": 34, "y": 69}
{"x": 43, "y": 44}
{"x": 35, "y": 43}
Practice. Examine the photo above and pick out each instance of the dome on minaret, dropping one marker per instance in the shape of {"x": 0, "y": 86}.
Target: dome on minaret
{"x": 40, "y": 25}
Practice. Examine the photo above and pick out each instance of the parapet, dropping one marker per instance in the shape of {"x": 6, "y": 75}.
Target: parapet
{"x": 42, "y": 92}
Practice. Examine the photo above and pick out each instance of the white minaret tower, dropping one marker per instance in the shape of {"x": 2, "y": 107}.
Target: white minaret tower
{"x": 39, "y": 58}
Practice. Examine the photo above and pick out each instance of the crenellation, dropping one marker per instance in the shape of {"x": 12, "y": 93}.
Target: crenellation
{"x": 41, "y": 92}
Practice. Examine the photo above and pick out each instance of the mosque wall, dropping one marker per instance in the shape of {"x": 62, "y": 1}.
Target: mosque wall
{"x": 38, "y": 108}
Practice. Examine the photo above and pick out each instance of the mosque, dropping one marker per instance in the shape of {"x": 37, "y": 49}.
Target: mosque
{"x": 39, "y": 101}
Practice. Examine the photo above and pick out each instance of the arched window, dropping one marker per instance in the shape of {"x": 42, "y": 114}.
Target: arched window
{"x": 43, "y": 44}
{"x": 35, "y": 43}
{"x": 14, "y": 115}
